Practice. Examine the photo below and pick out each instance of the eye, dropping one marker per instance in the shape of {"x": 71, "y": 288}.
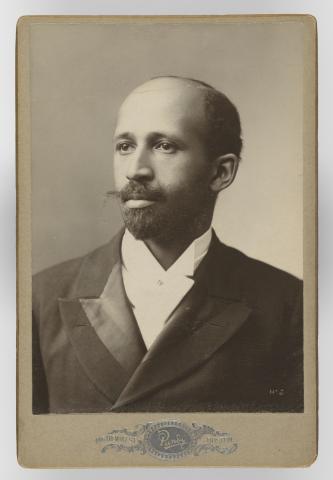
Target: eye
{"x": 166, "y": 147}
{"x": 124, "y": 148}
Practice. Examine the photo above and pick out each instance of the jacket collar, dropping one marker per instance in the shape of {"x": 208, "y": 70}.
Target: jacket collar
{"x": 96, "y": 267}
{"x": 208, "y": 316}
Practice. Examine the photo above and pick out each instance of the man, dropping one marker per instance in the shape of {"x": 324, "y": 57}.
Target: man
{"x": 166, "y": 317}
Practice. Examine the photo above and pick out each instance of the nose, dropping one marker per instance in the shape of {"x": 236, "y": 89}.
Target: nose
{"x": 139, "y": 166}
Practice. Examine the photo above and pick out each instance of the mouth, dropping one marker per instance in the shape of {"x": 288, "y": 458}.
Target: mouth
{"x": 138, "y": 203}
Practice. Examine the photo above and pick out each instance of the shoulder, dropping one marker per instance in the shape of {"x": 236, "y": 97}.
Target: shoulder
{"x": 61, "y": 280}
{"x": 256, "y": 281}
{"x": 57, "y": 278}
{"x": 259, "y": 271}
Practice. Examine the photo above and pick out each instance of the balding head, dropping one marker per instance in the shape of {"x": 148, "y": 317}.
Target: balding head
{"x": 159, "y": 103}
{"x": 217, "y": 118}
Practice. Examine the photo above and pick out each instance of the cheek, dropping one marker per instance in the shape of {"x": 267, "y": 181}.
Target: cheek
{"x": 119, "y": 173}
{"x": 180, "y": 169}
{"x": 187, "y": 176}
{"x": 187, "y": 190}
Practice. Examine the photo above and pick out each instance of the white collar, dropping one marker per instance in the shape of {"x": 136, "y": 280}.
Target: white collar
{"x": 138, "y": 260}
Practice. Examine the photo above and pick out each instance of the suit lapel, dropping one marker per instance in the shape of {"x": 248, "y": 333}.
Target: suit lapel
{"x": 106, "y": 338}
{"x": 114, "y": 322}
{"x": 100, "y": 323}
{"x": 100, "y": 366}
{"x": 209, "y": 315}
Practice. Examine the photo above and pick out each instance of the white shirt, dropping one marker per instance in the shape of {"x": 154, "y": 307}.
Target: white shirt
{"x": 154, "y": 292}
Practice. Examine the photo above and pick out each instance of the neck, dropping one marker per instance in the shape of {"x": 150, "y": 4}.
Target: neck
{"x": 167, "y": 250}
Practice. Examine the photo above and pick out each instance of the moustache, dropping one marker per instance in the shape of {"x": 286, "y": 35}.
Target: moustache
{"x": 137, "y": 191}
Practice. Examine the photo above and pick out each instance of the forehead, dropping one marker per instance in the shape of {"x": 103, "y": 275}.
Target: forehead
{"x": 158, "y": 105}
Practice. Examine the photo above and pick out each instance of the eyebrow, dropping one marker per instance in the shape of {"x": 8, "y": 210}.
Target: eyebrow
{"x": 152, "y": 136}
{"x": 124, "y": 135}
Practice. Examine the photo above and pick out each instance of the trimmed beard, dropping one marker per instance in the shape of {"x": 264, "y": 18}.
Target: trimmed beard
{"x": 160, "y": 221}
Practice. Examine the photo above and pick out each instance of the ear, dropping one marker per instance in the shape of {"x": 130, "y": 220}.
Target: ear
{"x": 225, "y": 169}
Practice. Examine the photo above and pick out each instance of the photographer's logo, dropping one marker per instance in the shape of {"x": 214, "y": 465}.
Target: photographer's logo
{"x": 168, "y": 440}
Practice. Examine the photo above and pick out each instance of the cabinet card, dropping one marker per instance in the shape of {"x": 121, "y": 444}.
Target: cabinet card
{"x": 166, "y": 182}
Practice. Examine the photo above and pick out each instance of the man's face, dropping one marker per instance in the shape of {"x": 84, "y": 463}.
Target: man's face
{"x": 160, "y": 160}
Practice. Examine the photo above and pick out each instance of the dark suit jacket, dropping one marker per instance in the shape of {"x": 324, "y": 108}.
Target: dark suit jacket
{"x": 233, "y": 344}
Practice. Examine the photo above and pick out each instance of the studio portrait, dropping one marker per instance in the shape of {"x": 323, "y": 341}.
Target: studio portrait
{"x": 167, "y": 217}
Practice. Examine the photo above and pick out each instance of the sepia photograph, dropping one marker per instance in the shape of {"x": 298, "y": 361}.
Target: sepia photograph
{"x": 172, "y": 221}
